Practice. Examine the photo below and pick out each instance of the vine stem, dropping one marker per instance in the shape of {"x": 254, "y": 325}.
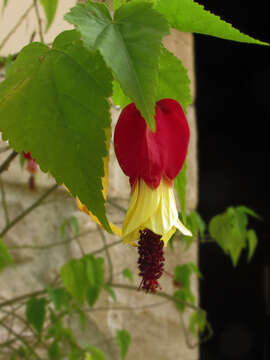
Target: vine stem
{"x": 40, "y": 31}
{"x": 3, "y": 195}
{"x": 15, "y": 27}
{"x": 28, "y": 210}
{"x": 107, "y": 253}
{"x": 4, "y": 166}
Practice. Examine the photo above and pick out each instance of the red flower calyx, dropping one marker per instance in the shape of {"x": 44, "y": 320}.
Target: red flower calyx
{"x": 144, "y": 154}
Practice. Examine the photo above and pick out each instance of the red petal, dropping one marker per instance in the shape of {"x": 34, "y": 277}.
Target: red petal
{"x": 147, "y": 155}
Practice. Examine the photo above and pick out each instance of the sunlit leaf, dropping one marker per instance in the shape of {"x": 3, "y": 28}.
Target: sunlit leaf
{"x": 189, "y": 16}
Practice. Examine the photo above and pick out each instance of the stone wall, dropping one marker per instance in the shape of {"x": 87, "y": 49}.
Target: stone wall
{"x": 157, "y": 330}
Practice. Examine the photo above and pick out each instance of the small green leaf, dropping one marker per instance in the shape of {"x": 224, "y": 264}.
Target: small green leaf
{"x": 76, "y": 354}
{"x": 74, "y": 278}
{"x": 183, "y": 296}
{"x": 70, "y": 221}
{"x": 197, "y": 322}
{"x": 127, "y": 274}
{"x": 59, "y": 297}
{"x": 95, "y": 277}
{"x": 36, "y": 313}
{"x": 54, "y": 351}
{"x": 180, "y": 183}
{"x": 189, "y": 16}
{"x": 5, "y": 257}
{"x": 182, "y": 274}
{"x": 130, "y": 45}
{"x": 252, "y": 243}
{"x": 248, "y": 211}
{"x": 123, "y": 341}
{"x": 50, "y": 7}
{"x": 111, "y": 292}
{"x": 64, "y": 121}
{"x": 96, "y": 354}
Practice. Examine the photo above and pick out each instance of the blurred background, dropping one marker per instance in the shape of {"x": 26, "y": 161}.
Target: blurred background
{"x": 233, "y": 113}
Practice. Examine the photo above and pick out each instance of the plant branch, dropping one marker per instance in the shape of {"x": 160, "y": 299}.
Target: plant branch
{"x": 15, "y": 27}
{"x": 107, "y": 253}
{"x": 28, "y": 210}
{"x": 20, "y": 338}
{"x": 3, "y": 195}
{"x": 4, "y": 166}
{"x": 40, "y": 31}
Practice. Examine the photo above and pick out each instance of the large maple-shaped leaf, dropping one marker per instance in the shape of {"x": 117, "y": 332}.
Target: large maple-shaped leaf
{"x": 54, "y": 104}
{"x": 189, "y": 16}
{"x": 130, "y": 45}
{"x": 173, "y": 82}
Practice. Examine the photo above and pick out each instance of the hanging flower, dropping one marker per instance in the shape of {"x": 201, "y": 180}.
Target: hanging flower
{"x": 152, "y": 160}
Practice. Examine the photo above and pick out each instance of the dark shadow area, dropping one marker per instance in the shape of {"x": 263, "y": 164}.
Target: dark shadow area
{"x": 233, "y": 112}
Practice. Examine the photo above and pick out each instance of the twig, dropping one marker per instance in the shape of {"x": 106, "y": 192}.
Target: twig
{"x": 4, "y": 166}
{"x": 28, "y": 210}
{"x": 119, "y": 207}
{"x": 19, "y": 337}
{"x": 107, "y": 253}
{"x": 22, "y": 298}
{"x": 3, "y": 195}
{"x": 40, "y": 31}
{"x": 15, "y": 27}
{"x": 49, "y": 246}
{"x": 158, "y": 293}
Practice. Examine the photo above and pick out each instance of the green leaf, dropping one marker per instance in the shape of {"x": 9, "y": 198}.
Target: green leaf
{"x": 119, "y": 98}
{"x": 96, "y": 354}
{"x": 74, "y": 278}
{"x": 123, "y": 341}
{"x": 229, "y": 230}
{"x": 189, "y": 16}
{"x": 197, "y": 322}
{"x": 252, "y": 243}
{"x": 95, "y": 277}
{"x": 248, "y": 211}
{"x": 59, "y": 297}
{"x": 180, "y": 183}
{"x": 118, "y": 3}
{"x": 54, "y": 351}
{"x": 130, "y": 45}
{"x": 183, "y": 296}
{"x": 70, "y": 221}
{"x": 76, "y": 354}
{"x": 127, "y": 274}
{"x": 5, "y": 257}
{"x": 173, "y": 80}
{"x": 182, "y": 274}
{"x": 36, "y": 313}
{"x": 111, "y": 292}
{"x": 196, "y": 223}
{"x": 54, "y": 104}
{"x": 50, "y": 7}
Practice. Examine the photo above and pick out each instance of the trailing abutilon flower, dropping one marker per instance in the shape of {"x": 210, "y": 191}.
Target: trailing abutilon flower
{"x": 152, "y": 160}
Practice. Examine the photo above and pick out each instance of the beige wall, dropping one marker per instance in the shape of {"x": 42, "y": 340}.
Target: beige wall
{"x": 157, "y": 331}
{"x": 13, "y": 13}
